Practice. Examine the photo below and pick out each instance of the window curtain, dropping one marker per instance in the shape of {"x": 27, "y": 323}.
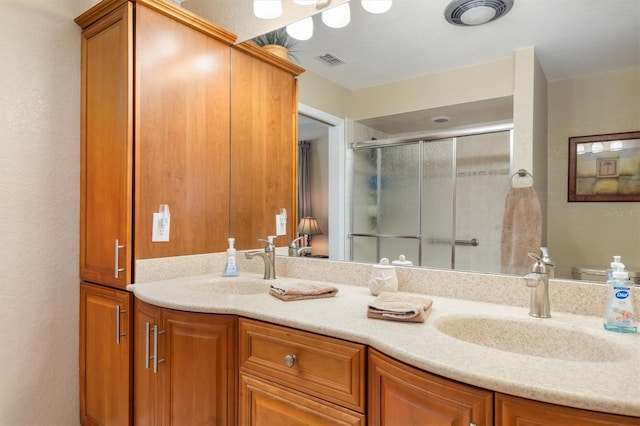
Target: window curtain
{"x": 304, "y": 179}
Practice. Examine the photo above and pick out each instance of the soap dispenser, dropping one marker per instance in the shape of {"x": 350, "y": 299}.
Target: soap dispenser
{"x": 231, "y": 265}
{"x": 620, "y": 314}
{"x": 383, "y": 278}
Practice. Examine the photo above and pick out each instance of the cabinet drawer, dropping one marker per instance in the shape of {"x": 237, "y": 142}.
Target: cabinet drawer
{"x": 328, "y": 368}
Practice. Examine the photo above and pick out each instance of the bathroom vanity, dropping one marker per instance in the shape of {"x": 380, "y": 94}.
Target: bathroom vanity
{"x": 323, "y": 362}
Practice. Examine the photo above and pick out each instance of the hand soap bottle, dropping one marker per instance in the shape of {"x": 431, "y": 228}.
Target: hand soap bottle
{"x": 231, "y": 266}
{"x": 620, "y": 314}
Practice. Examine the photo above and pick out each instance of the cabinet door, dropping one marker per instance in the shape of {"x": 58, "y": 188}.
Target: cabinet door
{"x": 511, "y": 410}
{"x": 146, "y": 364}
{"x": 106, "y": 150}
{"x": 265, "y": 404}
{"x": 105, "y": 356}
{"x": 403, "y": 395}
{"x": 264, "y": 147}
{"x": 181, "y": 134}
{"x": 199, "y": 372}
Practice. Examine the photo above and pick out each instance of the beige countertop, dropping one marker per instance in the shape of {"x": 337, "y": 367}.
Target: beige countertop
{"x": 607, "y": 386}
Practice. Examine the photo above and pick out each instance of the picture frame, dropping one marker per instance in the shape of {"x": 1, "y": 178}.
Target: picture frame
{"x": 604, "y": 168}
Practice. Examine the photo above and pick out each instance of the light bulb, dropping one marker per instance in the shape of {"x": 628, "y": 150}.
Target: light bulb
{"x": 301, "y": 30}
{"x": 615, "y": 146}
{"x": 580, "y": 149}
{"x": 596, "y": 147}
{"x": 376, "y": 6}
{"x": 338, "y": 17}
{"x": 267, "y": 9}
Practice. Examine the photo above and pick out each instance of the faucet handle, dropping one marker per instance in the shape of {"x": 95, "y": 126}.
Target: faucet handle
{"x": 269, "y": 243}
{"x": 539, "y": 267}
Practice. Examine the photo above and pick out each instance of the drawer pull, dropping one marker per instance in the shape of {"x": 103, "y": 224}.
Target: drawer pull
{"x": 290, "y": 360}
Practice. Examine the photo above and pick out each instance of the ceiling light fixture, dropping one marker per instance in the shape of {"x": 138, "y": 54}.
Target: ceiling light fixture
{"x": 596, "y": 147}
{"x": 267, "y": 9}
{"x": 615, "y": 146}
{"x": 301, "y": 30}
{"x": 376, "y": 6}
{"x": 476, "y": 12}
{"x": 338, "y": 17}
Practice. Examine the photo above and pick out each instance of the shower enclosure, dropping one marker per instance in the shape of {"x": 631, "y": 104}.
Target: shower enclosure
{"x": 437, "y": 199}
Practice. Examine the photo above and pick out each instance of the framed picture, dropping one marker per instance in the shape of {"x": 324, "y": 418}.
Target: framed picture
{"x": 604, "y": 167}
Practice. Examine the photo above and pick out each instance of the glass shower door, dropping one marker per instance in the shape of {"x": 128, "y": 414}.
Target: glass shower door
{"x": 438, "y": 189}
{"x": 386, "y": 203}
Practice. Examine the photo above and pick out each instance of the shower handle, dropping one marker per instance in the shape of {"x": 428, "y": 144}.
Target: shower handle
{"x": 474, "y": 242}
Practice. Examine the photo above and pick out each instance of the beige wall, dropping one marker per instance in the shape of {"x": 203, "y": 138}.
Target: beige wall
{"x": 39, "y": 189}
{"x": 591, "y": 233}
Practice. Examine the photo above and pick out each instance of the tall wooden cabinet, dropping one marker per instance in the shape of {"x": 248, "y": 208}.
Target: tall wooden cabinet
{"x": 185, "y": 367}
{"x": 264, "y": 145}
{"x": 154, "y": 130}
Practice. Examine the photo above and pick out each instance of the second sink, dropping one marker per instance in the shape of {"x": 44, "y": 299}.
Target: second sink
{"x": 540, "y": 338}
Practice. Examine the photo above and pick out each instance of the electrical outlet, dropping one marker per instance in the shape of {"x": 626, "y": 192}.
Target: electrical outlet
{"x": 161, "y": 227}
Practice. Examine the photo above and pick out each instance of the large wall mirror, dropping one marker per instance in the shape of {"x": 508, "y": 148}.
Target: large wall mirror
{"x": 589, "y": 55}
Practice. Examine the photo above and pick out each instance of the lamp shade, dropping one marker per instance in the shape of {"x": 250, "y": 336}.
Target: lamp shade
{"x": 309, "y": 226}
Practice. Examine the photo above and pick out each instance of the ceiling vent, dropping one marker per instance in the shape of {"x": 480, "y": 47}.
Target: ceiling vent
{"x": 476, "y": 12}
{"x": 329, "y": 59}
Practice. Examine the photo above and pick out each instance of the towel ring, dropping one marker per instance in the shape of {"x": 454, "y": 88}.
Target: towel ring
{"x": 521, "y": 173}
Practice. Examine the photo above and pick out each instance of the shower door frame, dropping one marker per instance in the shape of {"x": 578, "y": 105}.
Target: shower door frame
{"x": 420, "y": 139}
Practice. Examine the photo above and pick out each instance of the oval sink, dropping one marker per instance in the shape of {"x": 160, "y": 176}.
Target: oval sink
{"x": 231, "y": 286}
{"x": 540, "y": 338}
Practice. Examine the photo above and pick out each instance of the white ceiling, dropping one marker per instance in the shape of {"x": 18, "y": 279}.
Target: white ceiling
{"x": 571, "y": 37}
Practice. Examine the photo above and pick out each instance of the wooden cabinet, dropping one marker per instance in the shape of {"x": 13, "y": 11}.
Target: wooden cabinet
{"x": 511, "y": 410}
{"x": 105, "y": 355}
{"x": 403, "y": 395}
{"x": 264, "y": 145}
{"x": 154, "y": 130}
{"x": 185, "y": 367}
{"x": 293, "y": 377}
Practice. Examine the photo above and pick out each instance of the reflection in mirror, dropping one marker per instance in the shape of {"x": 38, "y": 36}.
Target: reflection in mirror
{"x": 605, "y": 167}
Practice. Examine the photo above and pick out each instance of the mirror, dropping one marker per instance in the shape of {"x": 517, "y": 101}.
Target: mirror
{"x": 605, "y": 167}
{"x": 597, "y": 99}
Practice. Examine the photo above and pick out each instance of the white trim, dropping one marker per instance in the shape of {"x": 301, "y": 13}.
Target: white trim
{"x": 337, "y": 179}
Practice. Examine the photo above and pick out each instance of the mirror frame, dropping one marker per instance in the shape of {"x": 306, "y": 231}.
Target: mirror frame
{"x": 573, "y": 195}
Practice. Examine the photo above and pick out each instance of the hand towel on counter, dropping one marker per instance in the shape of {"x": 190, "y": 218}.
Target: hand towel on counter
{"x": 521, "y": 230}
{"x": 302, "y": 290}
{"x": 404, "y": 307}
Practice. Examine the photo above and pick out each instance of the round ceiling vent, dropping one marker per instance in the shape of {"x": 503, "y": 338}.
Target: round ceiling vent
{"x": 476, "y": 12}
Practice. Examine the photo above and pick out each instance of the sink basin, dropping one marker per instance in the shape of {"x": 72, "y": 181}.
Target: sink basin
{"x": 231, "y": 286}
{"x": 541, "y": 338}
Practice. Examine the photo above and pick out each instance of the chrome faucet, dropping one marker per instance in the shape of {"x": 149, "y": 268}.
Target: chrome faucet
{"x": 538, "y": 280}
{"x": 268, "y": 256}
{"x": 550, "y": 264}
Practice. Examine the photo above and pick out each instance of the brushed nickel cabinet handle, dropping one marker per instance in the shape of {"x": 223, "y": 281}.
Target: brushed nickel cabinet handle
{"x": 156, "y": 361}
{"x": 290, "y": 360}
{"x": 118, "y": 333}
{"x": 117, "y": 268}
{"x": 146, "y": 344}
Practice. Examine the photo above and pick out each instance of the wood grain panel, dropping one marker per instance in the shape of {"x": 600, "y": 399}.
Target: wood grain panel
{"x": 182, "y": 136}
{"x": 106, "y": 148}
{"x": 199, "y": 375}
{"x": 264, "y": 404}
{"x": 403, "y": 395}
{"x": 511, "y": 410}
{"x": 105, "y": 383}
{"x": 331, "y": 369}
{"x": 264, "y": 149}
{"x": 146, "y": 405}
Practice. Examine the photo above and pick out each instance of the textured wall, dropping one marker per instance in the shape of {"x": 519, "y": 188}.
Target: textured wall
{"x": 39, "y": 190}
